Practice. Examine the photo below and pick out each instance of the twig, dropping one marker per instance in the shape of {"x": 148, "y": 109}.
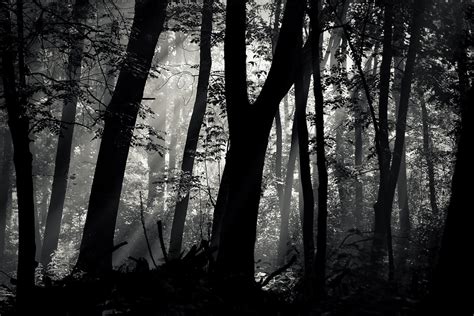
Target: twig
{"x": 144, "y": 231}
{"x": 162, "y": 243}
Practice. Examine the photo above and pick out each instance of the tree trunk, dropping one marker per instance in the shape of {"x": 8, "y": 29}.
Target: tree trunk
{"x": 22, "y": 158}
{"x": 5, "y": 189}
{"x": 95, "y": 254}
{"x": 302, "y": 83}
{"x": 427, "y": 151}
{"x": 451, "y": 293}
{"x": 63, "y": 153}
{"x": 187, "y": 166}
{"x": 382, "y": 141}
{"x": 321, "y": 239}
{"x": 386, "y": 200}
{"x": 249, "y": 127}
{"x": 285, "y": 203}
{"x": 358, "y": 155}
{"x": 174, "y": 135}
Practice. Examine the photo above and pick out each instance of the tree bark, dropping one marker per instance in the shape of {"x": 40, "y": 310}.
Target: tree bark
{"x": 321, "y": 239}
{"x": 5, "y": 190}
{"x": 302, "y": 84}
{"x": 382, "y": 141}
{"x": 199, "y": 110}
{"x": 22, "y": 158}
{"x": 95, "y": 254}
{"x": 249, "y": 127}
{"x": 63, "y": 153}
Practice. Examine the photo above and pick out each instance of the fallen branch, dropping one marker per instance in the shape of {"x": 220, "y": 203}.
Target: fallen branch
{"x": 278, "y": 271}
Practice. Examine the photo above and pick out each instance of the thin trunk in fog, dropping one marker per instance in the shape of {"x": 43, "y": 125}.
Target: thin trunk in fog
{"x": 428, "y": 153}
{"x": 156, "y": 167}
{"x": 197, "y": 117}
{"x": 285, "y": 202}
{"x": 321, "y": 239}
{"x": 302, "y": 83}
{"x": 15, "y": 102}
{"x": 5, "y": 189}
{"x": 249, "y": 128}
{"x": 174, "y": 127}
{"x": 95, "y": 254}
{"x": 358, "y": 156}
{"x": 63, "y": 152}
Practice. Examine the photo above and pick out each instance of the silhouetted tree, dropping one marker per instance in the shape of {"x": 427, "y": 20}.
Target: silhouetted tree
{"x": 249, "y": 128}
{"x": 18, "y": 122}
{"x": 63, "y": 154}
{"x": 95, "y": 254}
{"x": 199, "y": 110}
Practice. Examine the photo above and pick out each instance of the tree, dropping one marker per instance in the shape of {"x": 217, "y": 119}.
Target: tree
{"x": 5, "y": 190}
{"x": 321, "y": 241}
{"x": 249, "y": 128}
{"x": 63, "y": 154}
{"x": 18, "y": 122}
{"x": 199, "y": 110}
{"x": 95, "y": 254}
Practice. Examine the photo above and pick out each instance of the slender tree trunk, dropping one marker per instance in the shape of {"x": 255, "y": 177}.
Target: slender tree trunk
{"x": 22, "y": 158}
{"x": 402, "y": 185}
{"x": 389, "y": 191}
{"x": 5, "y": 189}
{"x": 95, "y": 254}
{"x": 156, "y": 167}
{"x": 427, "y": 151}
{"x": 192, "y": 137}
{"x": 174, "y": 136}
{"x": 63, "y": 153}
{"x": 302, "y": 83}
{"x": 358, "y": 155}
{"x": 285, "y": 203}
{"x": 321, "y": 239}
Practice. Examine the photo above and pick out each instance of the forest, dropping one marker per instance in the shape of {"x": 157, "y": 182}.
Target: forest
{"x": 236, "y": 157}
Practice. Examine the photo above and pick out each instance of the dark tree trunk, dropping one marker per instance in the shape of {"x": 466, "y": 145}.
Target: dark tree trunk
{"x": 451, "y": 293}
{"x": 249, "y": 127}
{"x": 382, "y": 142}
{"x": 402, "y": 184}
{"x": 95, "y": 254}
{"x": 219, "y": 209}
{"x": 5, "y": 189}
{"x": 22, "y": 158}
{"x": 63, "y": 153}
{"x": 427, "y": 151}
{"x": 321, "y": 239}
{"x": 278, "y": 124}
{"x": 187, "y": 166}
{"x": 302, "y": 83}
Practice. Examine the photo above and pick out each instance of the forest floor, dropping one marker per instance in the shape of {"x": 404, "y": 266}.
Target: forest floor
{"x": 177, "y": 289}
{"x": 183, "y": 287}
